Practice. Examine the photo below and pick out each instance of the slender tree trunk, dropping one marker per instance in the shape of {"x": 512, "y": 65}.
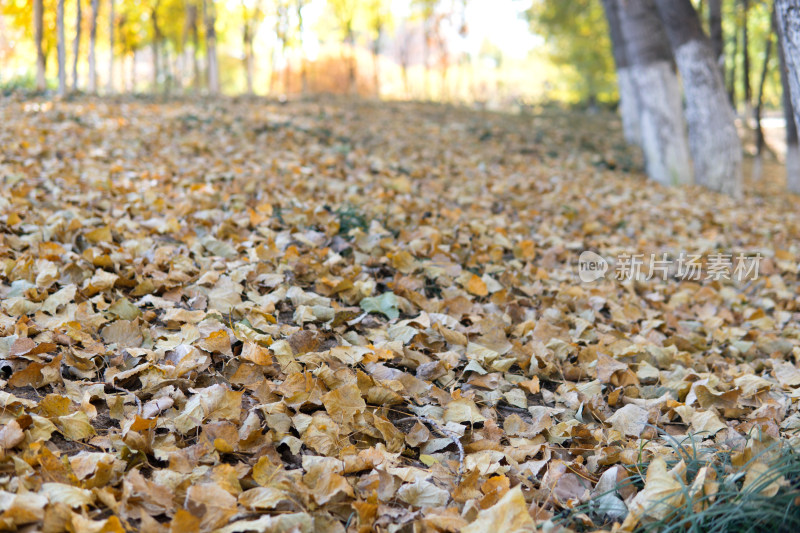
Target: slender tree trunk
{"x": 406, "y": 88}
{"x": 788, "y": 22}
{"x": 252, "y": 55}
{"x": 444, "y": 93}
{"x": 154, "y": 45}
{"x": 303, "y": 66}
{"x": 426, "y": 52}
{"x": 760, "y": 142}
{"x": 92, "y": 45}
{"x": 628, "y": 104}
{"x": 110, "y": 81}
{"x": 715, "y": 29}
{"x": 76, "y": 47}
{"x": 272, "y": 74}
{"x": 166, "y": 69}
{"x": 376, "y": 80}
{"x": 653, "y": 73}
{"x": 184, "y": 55}
{"x": 133, "y": 71}
{"x": 758, "y": 161}
{"x": 732, "y": 73}
{"x": 287, "y": 73}
{"x": 210, "y": 16}
{"x": 61, "y": 49}
{"x": 191, "y": 14}
{"x": 38, "y": 35}
{"x": 713, "y": 140}
{"x": 352, "y": 76}
{"x": 248, "y": 58}
{"x": 748, "y": 91}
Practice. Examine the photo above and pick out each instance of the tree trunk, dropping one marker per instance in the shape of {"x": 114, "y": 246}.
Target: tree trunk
{"x": 210, "y": 16}
{"x": 715, "y": 29}
{"x": 732, "y": 74}
{"x": 247, "y": 45}
{"x": 41, "y": 59}
{"x": 760, "y": 142}
{"x": 287, "y": 73}
{"x": 303, "y": 67}
{"x": 351, "y": 75}
{"x": 627, "y": 92}
{"x": 191, "y": 16}
{"x": 110, "y": 81}
{"x": 154, "y": 45}
{"x": 133, "y": 72}
{"x": 788, "y": 22}
{"x": 713, "y": 140}
{"x": 272, "y": 74}
{"x": 653, "y": 75}
{"x": 758, "y": 161}
{"x": 76, "y": 47}
{"x": 748, "y": 91}
{"x": 92, "y": 45}
{"x": 61, "y": 46}
{"x": 166, "y": 69}
{"x": 426, "y": 52}
{"x": 376, "y": 80}
{"x": 404, "y": 69}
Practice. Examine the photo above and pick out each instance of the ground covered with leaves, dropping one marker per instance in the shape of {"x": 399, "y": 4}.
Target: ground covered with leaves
{"x": 335, "y": 316}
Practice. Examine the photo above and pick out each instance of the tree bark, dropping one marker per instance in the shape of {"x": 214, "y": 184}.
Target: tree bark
{"x": 76, "y": 47}
{"x": 788, "y": 22}
{"x": 715, "y": 29}
{"x": 61, "y": 49}
{"x": 110, "y": 81}
{"x": 92, "y": 45}
{"x": 628, "y": 104}
{"x": 41, "y": 59}
{"x": 210, "y": 16}
{"x": 713, "y": 139}
{"x": 748, "y": 91}
{"x": 653, "y": 74}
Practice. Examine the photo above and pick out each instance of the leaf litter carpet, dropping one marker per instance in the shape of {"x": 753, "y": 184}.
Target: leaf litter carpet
{"x": 239, "y": 316}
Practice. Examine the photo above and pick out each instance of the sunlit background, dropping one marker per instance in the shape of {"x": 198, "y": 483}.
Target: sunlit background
{"x": 495, "y": 52}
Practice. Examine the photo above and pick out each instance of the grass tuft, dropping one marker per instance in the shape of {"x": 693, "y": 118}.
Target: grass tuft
{"x": 733, "y": 508}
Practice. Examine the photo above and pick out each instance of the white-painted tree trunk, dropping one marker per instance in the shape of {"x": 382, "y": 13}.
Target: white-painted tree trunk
{"x": 628, "y": 107}
{"x": 713, "y": 140}
{"x": 788, "y": 15}
{"x": 793, "y": 168}
{"x": 661, "y": 123}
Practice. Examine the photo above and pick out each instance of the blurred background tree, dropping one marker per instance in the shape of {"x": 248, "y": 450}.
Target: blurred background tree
{"x": 497, "y": 52}
{"x": 576, "y": 36}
